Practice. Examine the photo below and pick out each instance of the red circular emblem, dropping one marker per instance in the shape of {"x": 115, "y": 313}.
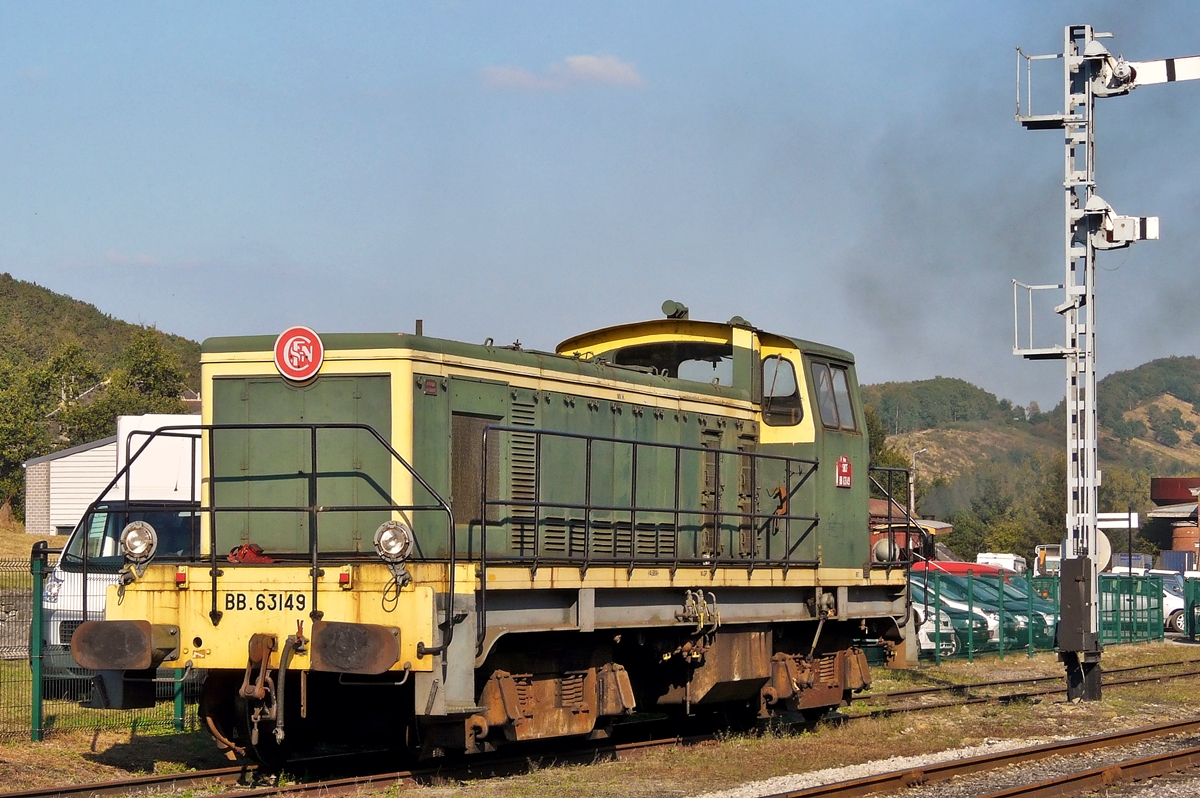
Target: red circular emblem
{"x": 299, "y": 354}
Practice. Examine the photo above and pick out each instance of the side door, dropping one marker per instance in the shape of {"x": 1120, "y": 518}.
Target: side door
{"x": 843, "y": 474}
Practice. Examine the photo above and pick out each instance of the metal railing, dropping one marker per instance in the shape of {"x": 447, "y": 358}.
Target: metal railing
{"x": 905, "y": 555}
{"x": 710, "y": 515}
{"x": 706, "y": 521}
{"x": 312, "y": 509}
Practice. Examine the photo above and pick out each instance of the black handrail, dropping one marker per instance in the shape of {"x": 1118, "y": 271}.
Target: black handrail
{"x": 716, "y": 513}
{"x": 170, "y": 432}
{"x": 892, "y": 505}
{"x": 312, "y": 508}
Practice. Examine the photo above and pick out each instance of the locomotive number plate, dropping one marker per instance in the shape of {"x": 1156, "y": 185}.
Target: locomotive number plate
{"x": 265, "y": 602}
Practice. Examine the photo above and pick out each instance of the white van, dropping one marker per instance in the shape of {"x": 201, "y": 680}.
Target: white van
{"x": 162, "y": 487}
{"x": 1009, "y": 562}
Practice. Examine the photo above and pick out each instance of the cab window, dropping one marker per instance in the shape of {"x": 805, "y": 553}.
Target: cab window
{"x": 178, "y": 531}
{"x": 833, "y": 395}
{"x": 781, "y": 405}
{"x": 696, "y": 361}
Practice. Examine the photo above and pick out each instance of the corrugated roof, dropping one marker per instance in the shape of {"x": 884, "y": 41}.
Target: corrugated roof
{"x": 1174, "y": 511}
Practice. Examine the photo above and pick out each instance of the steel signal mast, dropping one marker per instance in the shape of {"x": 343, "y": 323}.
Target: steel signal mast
{"x": 1091, "y": 225}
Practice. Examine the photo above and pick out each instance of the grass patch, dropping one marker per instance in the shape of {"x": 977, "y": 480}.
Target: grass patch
{"x": 15, "y": 543}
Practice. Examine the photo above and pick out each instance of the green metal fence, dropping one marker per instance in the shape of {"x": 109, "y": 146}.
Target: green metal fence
{"x": 980, "y": 614}
{"x": 41, "y": 689}
{"x": 1191, "y": 609}
{"x": 987, "y": 614}
{"x": 1131, "y": 609}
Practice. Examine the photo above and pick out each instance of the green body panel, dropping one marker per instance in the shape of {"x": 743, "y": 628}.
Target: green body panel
{"x": 431, "y": 459}
{"x": 272, "y": 468}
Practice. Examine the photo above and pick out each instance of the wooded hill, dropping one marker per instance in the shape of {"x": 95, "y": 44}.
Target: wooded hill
{"x": 36, "y": 323}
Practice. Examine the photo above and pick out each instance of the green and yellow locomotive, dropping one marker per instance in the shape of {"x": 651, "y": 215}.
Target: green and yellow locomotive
{"x": 446, "y": 546}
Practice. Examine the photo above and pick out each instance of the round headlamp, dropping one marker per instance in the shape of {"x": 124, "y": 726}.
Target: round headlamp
{"x": 393, "y": 541}
{"x": 138, "y": 541}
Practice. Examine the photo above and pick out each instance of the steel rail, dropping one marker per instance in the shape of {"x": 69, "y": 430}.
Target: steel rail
{"x": 1009, "y": 697}
{"x": 967, "y": 687}
{"x": 1106, "y": 776}
{"x": 164, "y": 781}
{"x": 943, "y": 771}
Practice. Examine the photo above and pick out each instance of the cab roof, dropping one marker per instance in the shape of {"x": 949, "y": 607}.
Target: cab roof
{"x": 607, "y": 339}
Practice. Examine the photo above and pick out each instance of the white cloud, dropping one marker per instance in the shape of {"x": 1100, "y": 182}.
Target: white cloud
{"x": 599, "y": 69}
{"x": 572, "y": 70}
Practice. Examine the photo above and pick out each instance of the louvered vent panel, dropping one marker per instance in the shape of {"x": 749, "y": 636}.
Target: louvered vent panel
{"x": 554, "y": 535}
{"x": 655, "y": 540}
{"x": 523, "y": 459}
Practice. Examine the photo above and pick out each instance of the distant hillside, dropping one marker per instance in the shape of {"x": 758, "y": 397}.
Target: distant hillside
{"x": 1123, "y": 394}
{"x": 36, "y": 322}
{"x": 929, "y": 404}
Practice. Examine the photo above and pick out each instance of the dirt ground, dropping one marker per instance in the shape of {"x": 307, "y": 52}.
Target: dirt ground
{"x": 734, "y": 759}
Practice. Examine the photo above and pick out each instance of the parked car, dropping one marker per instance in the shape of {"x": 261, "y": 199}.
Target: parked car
{"x": 1174, "y": 600}
{"x": 99, "y": 531}
{"x": 931, "y": 636}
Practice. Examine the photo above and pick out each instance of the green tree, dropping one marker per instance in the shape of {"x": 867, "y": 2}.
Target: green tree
{"x": 23, "y": 435}
{"x": 61, "y": 379}
{"x": 150, "y": 369}
{"x": 150, "y": 379}
{"x": 1049, "y": 505}
{"x": 882, "y": 455}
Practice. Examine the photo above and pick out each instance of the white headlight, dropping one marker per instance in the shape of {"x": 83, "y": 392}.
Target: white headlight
{"x": 138, "y": 541}
{"x": 393, "y": 541}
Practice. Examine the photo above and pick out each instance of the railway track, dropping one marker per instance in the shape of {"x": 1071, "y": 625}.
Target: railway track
{"x": 1067, "y": 784}
{"x": 951, "y": 687}
{"x": 483, "y": 767}
{"x": 965, "y": 696}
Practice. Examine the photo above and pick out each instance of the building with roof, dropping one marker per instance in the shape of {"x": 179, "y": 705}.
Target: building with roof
{"x": 60, "y": 486}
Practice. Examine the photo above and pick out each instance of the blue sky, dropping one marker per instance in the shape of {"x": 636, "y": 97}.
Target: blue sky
{"x": 849, "y": 173}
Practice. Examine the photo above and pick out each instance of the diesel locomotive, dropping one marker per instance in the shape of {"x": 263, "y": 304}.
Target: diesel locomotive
{"x": 448, "y": 547}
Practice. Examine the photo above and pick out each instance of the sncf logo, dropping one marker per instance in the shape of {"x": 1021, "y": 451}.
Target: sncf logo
{"x": 299, "y": 354}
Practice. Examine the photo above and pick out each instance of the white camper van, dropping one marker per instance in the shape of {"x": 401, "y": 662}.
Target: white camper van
{"x": 158, "y": 481}
{"x": 1009, "y": 562}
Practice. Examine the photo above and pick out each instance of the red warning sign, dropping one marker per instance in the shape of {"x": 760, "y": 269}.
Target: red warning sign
{"x": 299, "y": 354}
{"x": 845, "y": 473}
